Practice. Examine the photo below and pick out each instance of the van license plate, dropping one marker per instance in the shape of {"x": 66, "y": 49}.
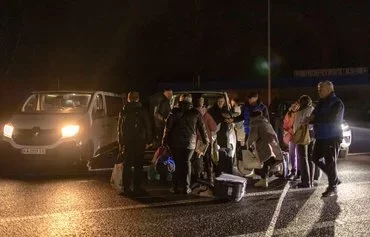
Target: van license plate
{"x": 34, "y": 151}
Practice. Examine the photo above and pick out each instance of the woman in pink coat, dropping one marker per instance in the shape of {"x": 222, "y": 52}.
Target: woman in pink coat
{"x": 288, "y": 125}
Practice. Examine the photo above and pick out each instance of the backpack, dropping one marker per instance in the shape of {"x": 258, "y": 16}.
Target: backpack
{"x": 133, "y": 125}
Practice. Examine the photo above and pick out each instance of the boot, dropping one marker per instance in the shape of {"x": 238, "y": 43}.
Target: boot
{"x": 292, "y": 175}
{"x": 263, "y": 183}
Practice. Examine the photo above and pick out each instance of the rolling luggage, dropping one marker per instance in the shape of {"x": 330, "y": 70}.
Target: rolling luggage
{"x": 230, "y": 187}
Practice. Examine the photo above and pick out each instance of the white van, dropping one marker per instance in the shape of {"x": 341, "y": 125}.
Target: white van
{"x": 68, "y": 126}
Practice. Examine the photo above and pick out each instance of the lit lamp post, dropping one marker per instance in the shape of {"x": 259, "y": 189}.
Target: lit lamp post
{"x": 268, "y": 55}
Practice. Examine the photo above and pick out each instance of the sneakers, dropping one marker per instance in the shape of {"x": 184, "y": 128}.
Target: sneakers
{"x": 291, "y": 176}
{"x": 263, "y": 183}
{"x": 330, "y": 192}
{"x": 188, "y": 191}
{"x": 298, "y": 176}
{"x": 250, "y": 175}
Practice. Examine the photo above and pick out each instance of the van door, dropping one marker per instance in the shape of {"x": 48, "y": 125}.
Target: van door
{"x": 114, "y": 105}
{"x": 99, "y": 122}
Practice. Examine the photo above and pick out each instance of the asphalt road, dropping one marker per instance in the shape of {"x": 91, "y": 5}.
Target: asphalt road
{"x": 86, "y": 205}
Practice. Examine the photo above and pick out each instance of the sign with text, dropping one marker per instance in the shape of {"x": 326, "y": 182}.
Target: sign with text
{"x": 331, "y": 72}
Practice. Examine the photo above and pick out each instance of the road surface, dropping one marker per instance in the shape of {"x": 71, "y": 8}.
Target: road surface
{"x": 86, "y": 205}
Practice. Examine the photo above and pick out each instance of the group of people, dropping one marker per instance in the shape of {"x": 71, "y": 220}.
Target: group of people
{"x": 314, "y": 135}
{"x": 196, "y": 134}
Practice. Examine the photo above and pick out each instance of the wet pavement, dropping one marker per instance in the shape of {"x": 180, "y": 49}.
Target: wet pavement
{"x": 54, "y": 203}
{"x": 86, "y": 205}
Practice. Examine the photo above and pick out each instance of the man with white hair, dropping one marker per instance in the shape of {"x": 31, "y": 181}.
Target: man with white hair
{"x": 327, "y": 119}
{"x": 180, "y": 135}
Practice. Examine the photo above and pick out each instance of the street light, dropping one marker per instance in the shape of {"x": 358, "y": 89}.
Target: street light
{"x": 268, "y": 55}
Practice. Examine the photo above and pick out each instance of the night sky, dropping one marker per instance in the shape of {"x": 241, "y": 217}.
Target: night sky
{"x": 120, "y": 45}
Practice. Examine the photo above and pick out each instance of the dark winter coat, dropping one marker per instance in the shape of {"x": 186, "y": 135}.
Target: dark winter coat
{"x": 328, "y": 118}
{"x": 126, "y": 134}
{"x": 219, "y": 115}
{"x": 182, "y": 126}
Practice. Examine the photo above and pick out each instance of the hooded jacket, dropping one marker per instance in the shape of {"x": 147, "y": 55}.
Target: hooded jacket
{"x": 182, "y": 126}
{"x": 264, "y": 137}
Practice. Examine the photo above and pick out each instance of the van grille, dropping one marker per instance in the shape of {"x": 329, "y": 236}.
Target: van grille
{"x": 32, "y": 137}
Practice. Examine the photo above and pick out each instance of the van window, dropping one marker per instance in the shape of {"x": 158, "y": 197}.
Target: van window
{"x": 56, "y": 103}
{"x": 114, "y": 105}
{"x": 31, "y": 104}
{"x": 99, "y": 105}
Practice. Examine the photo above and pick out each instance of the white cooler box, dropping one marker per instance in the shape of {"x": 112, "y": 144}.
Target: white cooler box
{"x": 230, "y": 187}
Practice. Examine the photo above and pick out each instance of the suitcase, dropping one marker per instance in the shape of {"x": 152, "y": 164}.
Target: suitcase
{"x": 230, "y": 187}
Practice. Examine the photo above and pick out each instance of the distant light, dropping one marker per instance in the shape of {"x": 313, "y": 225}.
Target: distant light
{"x": 265, "y": 65}
{"x": 261, "y": 66}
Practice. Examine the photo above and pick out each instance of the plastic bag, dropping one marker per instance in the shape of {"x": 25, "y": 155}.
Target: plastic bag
{"x": 116, "y": 179}
{"x": 161, "y": 151}
{"x": 302, "y": 135}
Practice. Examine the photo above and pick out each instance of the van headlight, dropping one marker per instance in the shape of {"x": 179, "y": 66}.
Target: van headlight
{"x": 8, "y": 130}
{"x": 345, "y": 126}
{"x": 70, "y": 130}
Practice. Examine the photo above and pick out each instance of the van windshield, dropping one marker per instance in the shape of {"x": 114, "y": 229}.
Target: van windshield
{"x": 56, "y": 103}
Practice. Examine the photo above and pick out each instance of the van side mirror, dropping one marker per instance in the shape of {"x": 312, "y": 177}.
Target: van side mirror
{"x": 100, "y": 113}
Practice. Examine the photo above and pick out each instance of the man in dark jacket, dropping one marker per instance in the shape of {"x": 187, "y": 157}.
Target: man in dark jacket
{"x": 159, "y": 110}
{"x": 134, "y": 134}
{"x": 254, "y": 104}
{"x": 327, "y": 119}
{"x": 181, "y": 135}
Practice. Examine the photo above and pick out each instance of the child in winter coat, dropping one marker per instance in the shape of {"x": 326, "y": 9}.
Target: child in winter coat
{"x": 288, "y": 125}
